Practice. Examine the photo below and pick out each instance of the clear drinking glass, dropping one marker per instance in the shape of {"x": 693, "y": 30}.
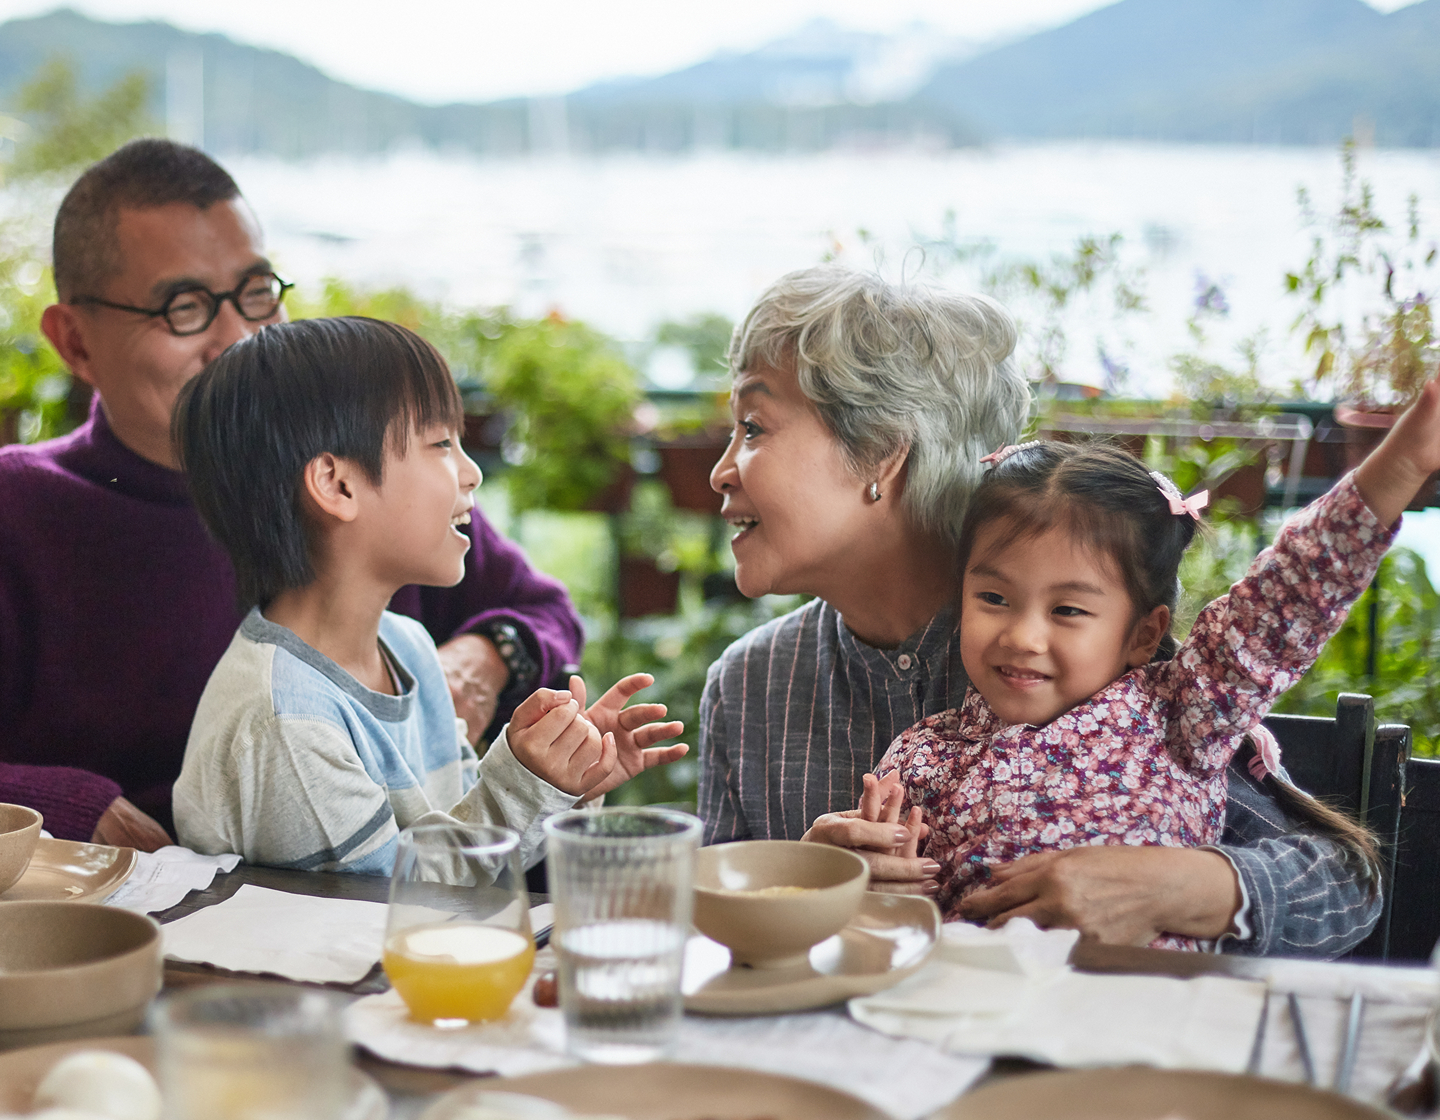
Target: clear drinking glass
{"x": 622, "y": 883}
{"x": 458, "y": 944}
{"x": 251, "y": 1052}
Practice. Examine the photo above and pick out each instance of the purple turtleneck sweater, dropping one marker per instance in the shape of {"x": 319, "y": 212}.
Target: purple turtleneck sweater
{"x": 115, "y": 605}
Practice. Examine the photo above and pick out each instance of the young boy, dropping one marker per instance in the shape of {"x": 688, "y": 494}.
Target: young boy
{"x": 325, "y": 457}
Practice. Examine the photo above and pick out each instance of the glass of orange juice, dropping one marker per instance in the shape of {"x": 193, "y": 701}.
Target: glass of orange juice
{"x": 458, "y": 945}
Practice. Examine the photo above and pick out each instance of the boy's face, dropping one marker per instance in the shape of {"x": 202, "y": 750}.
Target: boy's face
{"x": 418, "y": 515}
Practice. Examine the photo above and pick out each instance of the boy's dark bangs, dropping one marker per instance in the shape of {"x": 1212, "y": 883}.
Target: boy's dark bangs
{"x": 427, "y": 392}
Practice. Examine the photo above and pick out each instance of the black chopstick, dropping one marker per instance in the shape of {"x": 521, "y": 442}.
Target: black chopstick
{"x": 542, "y": 936}
{"x": 1300, "y": 1041}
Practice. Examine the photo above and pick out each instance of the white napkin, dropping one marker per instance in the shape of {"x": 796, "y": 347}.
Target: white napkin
{"x": 162, "y": 879}
{"x": 1024, "y": 1001}
{"x": 906, "y": 1079}
{"x": 323, "y": 940}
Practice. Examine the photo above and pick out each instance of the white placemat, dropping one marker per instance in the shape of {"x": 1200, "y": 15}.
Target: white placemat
{"x": 905, "y": 1078}
{"x": 162, "y": 879}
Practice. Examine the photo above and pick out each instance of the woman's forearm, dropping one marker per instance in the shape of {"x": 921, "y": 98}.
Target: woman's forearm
{"x": 1115, "y": 894}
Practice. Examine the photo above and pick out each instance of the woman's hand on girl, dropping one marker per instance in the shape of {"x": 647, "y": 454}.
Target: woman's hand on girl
{"x": 875, "y": 832}
{"x": 1394, "y": 472}
{"x": 1114, "y": 894}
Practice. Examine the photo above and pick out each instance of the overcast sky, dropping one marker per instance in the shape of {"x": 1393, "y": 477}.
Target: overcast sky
{"x": 438, "y": 50}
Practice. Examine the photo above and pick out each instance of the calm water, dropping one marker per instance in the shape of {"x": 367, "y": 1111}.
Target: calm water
{"x": 626, "y": 242}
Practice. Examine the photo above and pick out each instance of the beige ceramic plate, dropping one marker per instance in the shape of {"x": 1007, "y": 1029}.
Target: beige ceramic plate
{"x": 1145, "y": 1094}
{"x": 22, "y": 1070}
{"x": 668, "y": 1091}
{"x": 67, "y": 871}
{"x": 889, "y": 938}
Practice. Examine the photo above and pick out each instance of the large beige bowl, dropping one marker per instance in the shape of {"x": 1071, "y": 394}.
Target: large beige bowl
{"x": 74, "y": 970}
{"x": 19, "y": 831}
{"x": 768, "y": 901}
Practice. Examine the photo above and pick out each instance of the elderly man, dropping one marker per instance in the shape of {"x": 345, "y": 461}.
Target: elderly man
{"x": 114, "y": 603}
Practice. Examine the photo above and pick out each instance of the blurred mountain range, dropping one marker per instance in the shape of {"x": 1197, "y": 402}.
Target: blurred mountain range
{"x": 1266, "y": 71}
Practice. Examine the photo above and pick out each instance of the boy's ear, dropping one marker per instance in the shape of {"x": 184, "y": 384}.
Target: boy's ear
{"x": 330, "y": 484}
{"x": 1145, "y": 638}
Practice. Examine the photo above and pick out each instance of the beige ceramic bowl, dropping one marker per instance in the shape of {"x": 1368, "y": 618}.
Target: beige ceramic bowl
{"x": 74, "y": 970}
{"x": 19, "y": 830}
{"x": 768, "y": 901}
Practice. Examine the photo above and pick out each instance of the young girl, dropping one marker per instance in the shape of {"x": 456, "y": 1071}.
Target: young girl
{"x": 1083, "y": 723}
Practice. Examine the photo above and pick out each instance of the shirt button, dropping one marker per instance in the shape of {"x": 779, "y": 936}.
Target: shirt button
{"x": 904, "y": 661}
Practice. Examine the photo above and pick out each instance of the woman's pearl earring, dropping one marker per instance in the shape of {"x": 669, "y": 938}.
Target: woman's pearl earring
{"x": 874, "y": 491}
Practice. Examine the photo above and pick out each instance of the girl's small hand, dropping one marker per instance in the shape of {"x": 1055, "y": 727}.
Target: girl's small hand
{"x": 876, "y": 833}
{"x": 1394, "y": 472}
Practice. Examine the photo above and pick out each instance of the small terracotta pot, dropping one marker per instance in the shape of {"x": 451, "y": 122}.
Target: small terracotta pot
{"x": 685, "y": 467}
{"x": 645, "y": 589}
{"x": 1364, "y": 431}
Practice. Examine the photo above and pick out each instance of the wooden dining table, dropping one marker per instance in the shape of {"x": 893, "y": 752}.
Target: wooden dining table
{"x": 411, "y": 1088}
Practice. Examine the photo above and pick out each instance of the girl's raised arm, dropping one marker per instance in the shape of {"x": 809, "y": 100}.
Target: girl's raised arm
{"x": 1393, "y": 473}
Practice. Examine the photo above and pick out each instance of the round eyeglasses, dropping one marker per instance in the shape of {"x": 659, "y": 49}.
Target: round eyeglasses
{"x": 192, "y": 310}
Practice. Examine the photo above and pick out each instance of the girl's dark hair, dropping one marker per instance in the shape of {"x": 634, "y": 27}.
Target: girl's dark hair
{"x": 1105, "y": 499}
{"x": 247, "y": 425}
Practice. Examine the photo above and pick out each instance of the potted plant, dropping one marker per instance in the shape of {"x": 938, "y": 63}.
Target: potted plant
{"x": 1378, "y": 362}
{"x": 571, "y": 397}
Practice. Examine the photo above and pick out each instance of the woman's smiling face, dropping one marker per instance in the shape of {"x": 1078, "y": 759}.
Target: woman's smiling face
{"x": 798, "y": 507}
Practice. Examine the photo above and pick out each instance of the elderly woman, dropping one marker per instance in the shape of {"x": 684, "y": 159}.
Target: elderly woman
{"x": 861, "y": 412}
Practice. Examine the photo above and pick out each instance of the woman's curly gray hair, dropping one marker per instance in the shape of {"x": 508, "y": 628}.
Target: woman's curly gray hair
{"x": 891, "y": 367}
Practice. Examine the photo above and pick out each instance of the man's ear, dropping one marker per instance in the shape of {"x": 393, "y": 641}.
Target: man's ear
{"x": 330, "y": 482}
{"x": 1145, "y": 638}
{"x": 64, "y": 328}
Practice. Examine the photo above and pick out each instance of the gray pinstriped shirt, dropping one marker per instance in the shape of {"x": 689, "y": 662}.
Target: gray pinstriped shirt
{"x": 796, "y": 712}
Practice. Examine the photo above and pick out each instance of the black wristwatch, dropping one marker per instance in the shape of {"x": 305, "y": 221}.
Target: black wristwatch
{"x": 512, "y": 650}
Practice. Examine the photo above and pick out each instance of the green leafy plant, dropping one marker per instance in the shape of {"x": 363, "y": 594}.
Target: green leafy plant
{"x": 62, "y": 132}
{"x": 69, "y": 131}
{"x": 1404, "y": 684}
{"x": 573, "y": 397}
{"x": 1381, "y": 360}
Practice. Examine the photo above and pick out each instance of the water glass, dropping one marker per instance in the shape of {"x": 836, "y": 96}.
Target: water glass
{"x": 458, "y": 944}
{"x": 251, "y": 1052}
{"x": 622, "y": 881}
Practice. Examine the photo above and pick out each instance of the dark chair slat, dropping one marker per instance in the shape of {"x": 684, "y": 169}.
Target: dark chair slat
{"x": 1415, "y": 920}
{"x": 1350, "y": 764}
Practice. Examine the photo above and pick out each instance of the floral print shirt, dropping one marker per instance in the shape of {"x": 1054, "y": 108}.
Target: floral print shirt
{"x": 1143, "y": 760}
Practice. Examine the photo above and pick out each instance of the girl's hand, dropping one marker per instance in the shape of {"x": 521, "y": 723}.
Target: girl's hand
{"x": 875, "y": 832}
{"x": 634, "y": 730}
{"x": 553, "y": 740}
{"x": 1394, "y": 472}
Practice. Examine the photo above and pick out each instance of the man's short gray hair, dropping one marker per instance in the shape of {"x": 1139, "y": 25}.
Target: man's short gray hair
{"x": 893, "y": 366}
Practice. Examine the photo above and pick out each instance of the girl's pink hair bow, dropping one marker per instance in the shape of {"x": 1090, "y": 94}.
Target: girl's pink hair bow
{"x": 1179, "y": 504}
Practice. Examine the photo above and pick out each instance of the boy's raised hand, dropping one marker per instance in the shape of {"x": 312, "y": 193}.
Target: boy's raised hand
{"x": 551, "y": 737}
{"x": 635, "y": 730}
{"x": 1393, "y": 473}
